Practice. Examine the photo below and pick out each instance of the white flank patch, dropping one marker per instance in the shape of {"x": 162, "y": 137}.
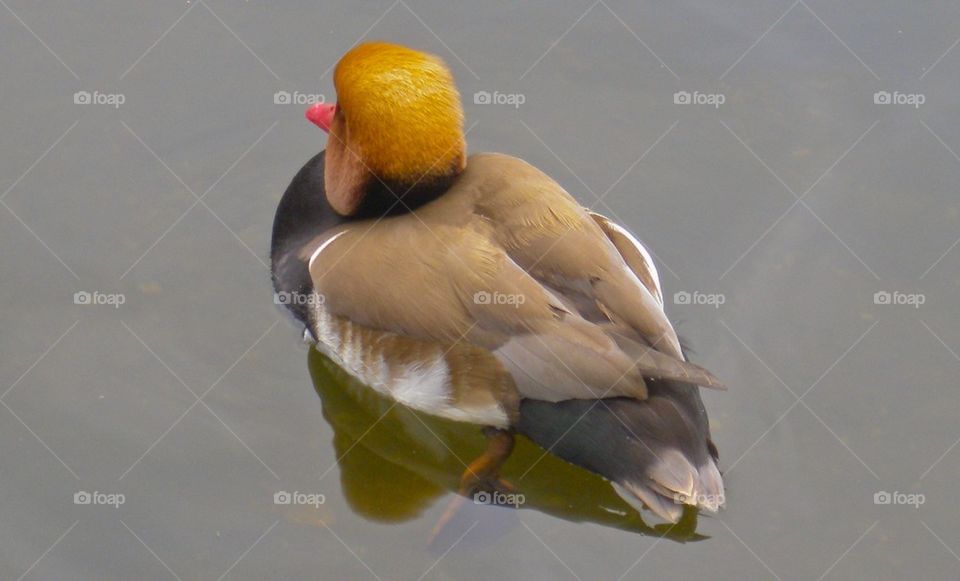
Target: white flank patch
{"x": 421, "y": 385}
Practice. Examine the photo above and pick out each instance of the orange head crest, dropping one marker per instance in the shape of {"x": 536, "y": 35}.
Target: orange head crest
{"x": 400, "y": 111}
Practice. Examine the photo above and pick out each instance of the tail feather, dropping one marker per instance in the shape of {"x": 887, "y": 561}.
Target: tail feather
{"x": 711, "y": 486}
{"x": 674, "y": 473}
{"x": 657, "y": 452}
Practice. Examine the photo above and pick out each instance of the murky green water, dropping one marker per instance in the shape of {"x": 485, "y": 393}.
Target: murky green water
{"x": 176, "y": 397}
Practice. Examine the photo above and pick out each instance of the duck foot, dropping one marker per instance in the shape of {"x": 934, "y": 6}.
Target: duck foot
{"x": 481, "y": 481}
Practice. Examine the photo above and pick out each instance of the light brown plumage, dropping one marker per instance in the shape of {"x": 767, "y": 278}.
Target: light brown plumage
{"x": 509, "y": 262}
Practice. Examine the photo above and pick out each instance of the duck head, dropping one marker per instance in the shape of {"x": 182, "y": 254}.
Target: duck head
{"x": 396, "y": 130}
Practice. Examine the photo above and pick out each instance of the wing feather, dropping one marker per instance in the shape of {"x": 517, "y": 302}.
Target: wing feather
{"x": 461, "y": 287}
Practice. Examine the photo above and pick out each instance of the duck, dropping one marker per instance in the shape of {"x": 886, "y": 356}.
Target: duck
{"x": 477, "y": 289}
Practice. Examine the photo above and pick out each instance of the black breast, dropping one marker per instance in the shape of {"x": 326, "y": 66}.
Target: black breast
{"x": 303, "y": 214}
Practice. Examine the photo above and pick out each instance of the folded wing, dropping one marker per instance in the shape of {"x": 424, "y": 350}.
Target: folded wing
{"x": 462, "y": 287}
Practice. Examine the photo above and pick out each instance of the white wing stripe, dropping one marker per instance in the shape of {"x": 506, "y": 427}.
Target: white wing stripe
{"x": 326, "y": 243}
{"x": 646, "y": 257}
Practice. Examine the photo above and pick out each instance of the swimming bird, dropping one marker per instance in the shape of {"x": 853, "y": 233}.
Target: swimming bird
{"x": 477, "y": 289}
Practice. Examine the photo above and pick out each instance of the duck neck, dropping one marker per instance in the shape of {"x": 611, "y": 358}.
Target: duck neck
{"x": 392, "y": 197}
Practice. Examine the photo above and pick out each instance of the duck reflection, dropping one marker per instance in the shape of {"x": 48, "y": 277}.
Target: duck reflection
{"x": 395, "y": 463}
